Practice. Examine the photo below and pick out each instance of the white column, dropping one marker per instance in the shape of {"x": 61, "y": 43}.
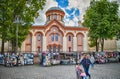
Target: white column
{"x": 23, "y": 46}
{"x": 74, "y": 43}
{"x": 118, "y": 45}
{"x": 33, "y": 43}
{"x": 64, "y": 44}
{"x": 44, "y": 43}
{"x": 85, "y": 43}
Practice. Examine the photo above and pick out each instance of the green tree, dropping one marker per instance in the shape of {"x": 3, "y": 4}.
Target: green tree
{"x": 22, "y": 11}
{"x": 4, "y": 21}
{"x": 102, "y": 19}
{"x": 118, "y": 30}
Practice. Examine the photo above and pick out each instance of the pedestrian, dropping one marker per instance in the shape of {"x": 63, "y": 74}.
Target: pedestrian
{"x": 119, "y": 56}
{"x": 80, "y": 72}
{"x": 83, "y": 75}
{"x": 17, "y": 58}
{"x": 85, "y": 62}
{"x": 21, "y": 60}
{"x": 92, "y": 59}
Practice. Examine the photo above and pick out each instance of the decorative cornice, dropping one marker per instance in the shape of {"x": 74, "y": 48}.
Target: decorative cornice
{"x": 72, "y": 28}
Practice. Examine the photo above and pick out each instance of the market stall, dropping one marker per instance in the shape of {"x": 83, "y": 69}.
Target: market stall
{"x": 55, "y": 58}
{"x": 68, "y": 58}
{"x": 1, "y": 59}
{"x": 28, "y": 58}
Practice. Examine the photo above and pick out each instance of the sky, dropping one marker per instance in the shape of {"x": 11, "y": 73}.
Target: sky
{"x": 74, "y": 11}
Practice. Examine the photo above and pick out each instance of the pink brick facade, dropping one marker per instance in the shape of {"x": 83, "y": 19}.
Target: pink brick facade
{"x": 54, "y": 36}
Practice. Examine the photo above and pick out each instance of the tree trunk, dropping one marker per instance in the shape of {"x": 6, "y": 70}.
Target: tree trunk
{"x": 8, "y": 46}
{"x": 13, "y": 46}
{"x": 102, "y": 45}
{"x": 97, "y": 45}
{"x": 2, "y": 48}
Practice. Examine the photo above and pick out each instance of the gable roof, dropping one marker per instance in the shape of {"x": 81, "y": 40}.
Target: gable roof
{"x": 57, "y": 23}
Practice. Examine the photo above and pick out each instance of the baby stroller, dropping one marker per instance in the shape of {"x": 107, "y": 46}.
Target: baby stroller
{"x": 80, "y": 73}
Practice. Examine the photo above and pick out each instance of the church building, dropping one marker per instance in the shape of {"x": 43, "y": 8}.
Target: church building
{"x": 54, "y": 36}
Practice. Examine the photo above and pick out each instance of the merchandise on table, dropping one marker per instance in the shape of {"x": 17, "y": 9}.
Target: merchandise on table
{"x": 28, "y": 58}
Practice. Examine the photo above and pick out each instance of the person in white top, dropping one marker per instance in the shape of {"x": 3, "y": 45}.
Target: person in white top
{"x": 92, "y": 59}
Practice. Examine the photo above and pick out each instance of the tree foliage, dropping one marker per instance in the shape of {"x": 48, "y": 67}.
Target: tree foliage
{"x": 22, "y": 11}
{"x": 102, "y": 19}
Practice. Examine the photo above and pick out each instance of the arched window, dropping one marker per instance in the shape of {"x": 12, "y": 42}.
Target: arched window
{"x": 38, "y": 49}
{"x": 69, "y": 49}
{"x": 38, "y": 37}
{"x": 48, "y": 17}
{"x": 69, "y": 38}
{"x": 52, "y": 37}
{"x": 55, "y": 16}
{"x": 61, "y": 18}
{"x": 50, "y": 49}
{"x": 54, "y": 49}
{"x": 58, "y": 49}
{"x": 56, "y": 37}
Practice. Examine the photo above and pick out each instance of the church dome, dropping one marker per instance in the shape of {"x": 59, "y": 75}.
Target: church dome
{"x": 55, "y": 13}
{"x": 55, "y": 8}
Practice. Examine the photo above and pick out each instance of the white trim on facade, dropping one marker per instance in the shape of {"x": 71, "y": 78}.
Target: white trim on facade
{"x": 65, "y": 43}
{"x": 44, "y": 46}
{"x": 75, "y": 43}
{"x": 85, "y": 43}
{"x": 33, "y": 43}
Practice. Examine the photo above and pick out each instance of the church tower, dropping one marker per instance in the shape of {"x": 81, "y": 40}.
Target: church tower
{"x": 55, "y": 13}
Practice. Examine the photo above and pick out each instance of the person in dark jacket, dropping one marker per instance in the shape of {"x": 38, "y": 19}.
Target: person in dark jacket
{"x": 85, "y": 62}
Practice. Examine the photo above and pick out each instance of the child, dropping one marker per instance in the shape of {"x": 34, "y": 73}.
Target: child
{"x": 83, "y": 75}
{"x": 80, "y": 73}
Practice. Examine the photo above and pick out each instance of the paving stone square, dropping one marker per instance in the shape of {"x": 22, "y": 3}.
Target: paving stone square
{"x": 100, "y": 71}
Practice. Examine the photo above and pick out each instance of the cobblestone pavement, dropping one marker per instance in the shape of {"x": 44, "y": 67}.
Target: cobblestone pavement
{"x": 101, "y": 71}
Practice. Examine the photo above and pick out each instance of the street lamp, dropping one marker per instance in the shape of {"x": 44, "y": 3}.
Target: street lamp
{"x": 17, "y": 21}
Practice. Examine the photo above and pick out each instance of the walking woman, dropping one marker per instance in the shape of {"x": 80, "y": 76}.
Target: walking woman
{"x": 92, "y": 59}
{"x": 85, "y": 62}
